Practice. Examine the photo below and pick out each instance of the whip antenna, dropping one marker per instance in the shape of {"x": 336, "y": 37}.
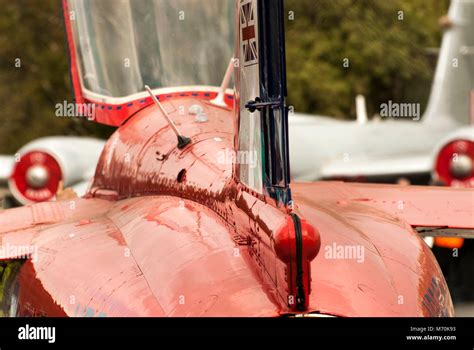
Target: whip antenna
{"x": 183, "y": 141}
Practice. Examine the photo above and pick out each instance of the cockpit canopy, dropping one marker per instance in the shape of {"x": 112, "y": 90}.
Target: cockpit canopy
{"x": 183, "y": 48}
{"x": 123, "y": 45}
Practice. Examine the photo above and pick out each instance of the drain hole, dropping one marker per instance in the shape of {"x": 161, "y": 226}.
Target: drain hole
{"x": 182, "y": 176}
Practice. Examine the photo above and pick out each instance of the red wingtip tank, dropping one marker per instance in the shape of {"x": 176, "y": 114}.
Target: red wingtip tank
{"x": 165, "y": 231}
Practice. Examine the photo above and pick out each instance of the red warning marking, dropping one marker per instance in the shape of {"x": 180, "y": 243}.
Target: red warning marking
{"x": 248, "y": 33}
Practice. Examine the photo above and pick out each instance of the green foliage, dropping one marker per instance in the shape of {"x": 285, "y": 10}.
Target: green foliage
{"x": 33, "y": 31}
{"x": 386, "y": 53}
{"x": 8, "y": 274}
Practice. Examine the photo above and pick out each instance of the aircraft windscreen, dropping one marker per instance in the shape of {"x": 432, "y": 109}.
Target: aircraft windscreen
{"x": 123, "y": 45}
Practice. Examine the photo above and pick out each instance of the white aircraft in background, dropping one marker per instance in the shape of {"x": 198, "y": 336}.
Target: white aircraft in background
{"x": 47, "y": 165}
{"x": 440, "y": 144}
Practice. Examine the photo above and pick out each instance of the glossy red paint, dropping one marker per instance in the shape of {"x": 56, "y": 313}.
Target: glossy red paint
{"x": 169, "y": 232}
{"x": 417, "y": 206}
{"x": 398, "y": 269}
{"x": 144, "y": 244}
{"x": 141, "y": 157}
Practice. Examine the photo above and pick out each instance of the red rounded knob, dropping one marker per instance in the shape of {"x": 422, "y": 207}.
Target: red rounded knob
{"x": 286, "y": 238}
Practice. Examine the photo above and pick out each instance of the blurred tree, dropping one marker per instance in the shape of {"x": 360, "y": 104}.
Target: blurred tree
{"x": 337, "y": 49}
{"x": 34, "y": 74}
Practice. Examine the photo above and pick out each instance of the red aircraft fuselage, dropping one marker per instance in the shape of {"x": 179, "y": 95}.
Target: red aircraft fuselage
{"x": 168, "y": 232}
{"x": 165, "y": 231}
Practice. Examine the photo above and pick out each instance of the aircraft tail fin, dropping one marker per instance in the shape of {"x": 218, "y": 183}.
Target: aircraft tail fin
{"x": 452, "y": 92}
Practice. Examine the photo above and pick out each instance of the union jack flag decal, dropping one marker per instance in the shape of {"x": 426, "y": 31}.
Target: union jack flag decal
{"x": 248, "y": 33}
